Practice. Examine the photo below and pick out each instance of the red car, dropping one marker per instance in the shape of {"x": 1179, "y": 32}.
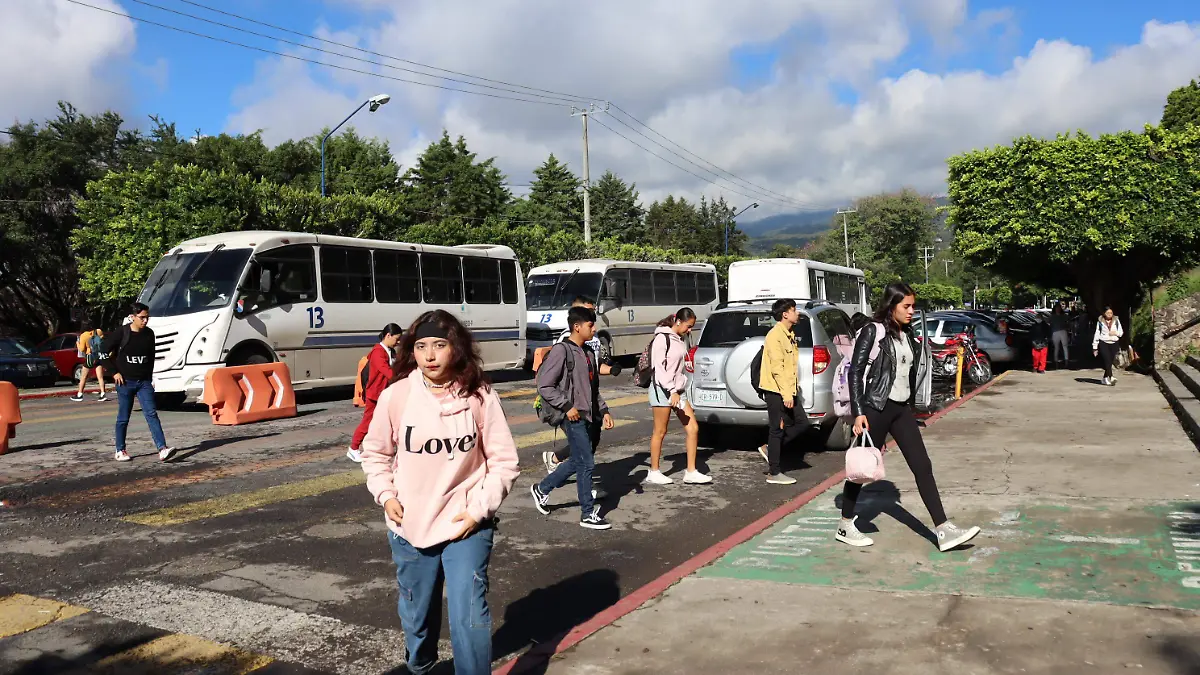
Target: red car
{"x": 61, "y": 348}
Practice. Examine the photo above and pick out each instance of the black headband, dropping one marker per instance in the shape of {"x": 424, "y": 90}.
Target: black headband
{"x": 430, "y": 329}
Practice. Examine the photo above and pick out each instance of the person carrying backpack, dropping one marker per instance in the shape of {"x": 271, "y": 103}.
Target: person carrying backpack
{"x": 379, "y": 372}
{"x": 882, "y": 392}
{"x": 568, "y": 385}
{"x": 89, "y": 346}
{"x": 130, "y": 354}
{"x": 668, "y": 394}
{"x": 779, "y": 386}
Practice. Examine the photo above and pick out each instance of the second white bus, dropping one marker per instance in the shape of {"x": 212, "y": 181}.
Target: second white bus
{"x": 799, "y": 279}
{"x": 631, "y": 298}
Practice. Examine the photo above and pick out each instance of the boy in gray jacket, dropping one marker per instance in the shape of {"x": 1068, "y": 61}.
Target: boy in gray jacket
{"x": 568, "y": 381}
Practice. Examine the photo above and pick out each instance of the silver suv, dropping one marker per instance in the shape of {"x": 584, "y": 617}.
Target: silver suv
{"x": 719, "y": 366}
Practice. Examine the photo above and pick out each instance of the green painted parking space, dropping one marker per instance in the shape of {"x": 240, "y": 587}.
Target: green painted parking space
{"x": 1118, "y": 553}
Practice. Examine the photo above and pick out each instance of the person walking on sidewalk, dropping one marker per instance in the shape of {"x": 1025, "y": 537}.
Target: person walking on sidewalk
{"x": 1104, "y": 343}
{"x": 379, "y": 373}
{"x": 1039, "y": 335}
{"x": 881, "y": 396}
{"x": 439, "y": 458}
{"x": 1060, "y": 335}
{"x": 89, "y": 346}
{"x": 130, "y": 353}
{"x": 780, "y": 384}
{"x": 568, "y": 382}
{"x": 552, "y": 458}
{"x": 668, "y": 395}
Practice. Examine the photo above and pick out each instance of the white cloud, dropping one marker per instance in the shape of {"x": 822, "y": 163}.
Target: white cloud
{"x": 672, "y": 68}
{"x": 52, "y": 50}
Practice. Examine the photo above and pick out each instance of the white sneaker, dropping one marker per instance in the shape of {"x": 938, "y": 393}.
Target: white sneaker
{"x": 848, "y": 533}
{"x": 762, "y": 450}
{"x": 550, "y": 461}
{"x": 122, "y": 456}
{"x": 696, "y": 478}
{"x": 780, "y": 479}
{"x": 657, "y": 478}
{"x": 1112, "y": 381}
{"x": 354, "y": 455}
{"x": 1105, "y": 382}
{"x": 166, "y": 454}
{"x": 951, "y": 536}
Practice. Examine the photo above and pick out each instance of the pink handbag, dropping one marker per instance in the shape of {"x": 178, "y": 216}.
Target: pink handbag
{"x": 864, "y": 462}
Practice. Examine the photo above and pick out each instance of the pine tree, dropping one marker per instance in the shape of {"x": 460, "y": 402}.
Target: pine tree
{"x": 1183, "y": 108}
{"x": 616, "y": 212}
{"x": 557, "y": 192}
{"x": 447, "y": 182}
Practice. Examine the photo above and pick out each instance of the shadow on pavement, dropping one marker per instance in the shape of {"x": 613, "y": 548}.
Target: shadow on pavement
{"x": 883, "y": 497}
{"x": 544, "y": 617}
{"x": 214, "y": 443}
{"x": 14, "y": 448}
{"x": 51, "y": 664}
{"x": 1090, "y": 380}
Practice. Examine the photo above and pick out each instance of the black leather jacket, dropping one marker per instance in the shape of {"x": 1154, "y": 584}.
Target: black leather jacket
{"x": 882, "y": 373}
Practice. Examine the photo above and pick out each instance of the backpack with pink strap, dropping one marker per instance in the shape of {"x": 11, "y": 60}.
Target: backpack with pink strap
{"x": 841, "y": 377}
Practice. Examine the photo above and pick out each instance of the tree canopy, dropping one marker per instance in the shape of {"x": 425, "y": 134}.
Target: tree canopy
{"x": 1182, "y": 108}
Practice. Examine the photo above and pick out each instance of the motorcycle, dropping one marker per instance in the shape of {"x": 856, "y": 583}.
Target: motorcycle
{"x": 945, "y": 359}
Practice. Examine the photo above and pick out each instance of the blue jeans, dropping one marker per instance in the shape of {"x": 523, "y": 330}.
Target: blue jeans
{"x": 462, "y": 567}
{"x": 581, "y": 463}
{"x": 144, "y": 391}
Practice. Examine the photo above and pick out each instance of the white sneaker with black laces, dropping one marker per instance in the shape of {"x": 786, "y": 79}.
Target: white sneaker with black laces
{"x": 593, "y": 520}
{"x": 848, "y": 533}
{"x": 539, "y": 500}
{"x": 550, "y": 461}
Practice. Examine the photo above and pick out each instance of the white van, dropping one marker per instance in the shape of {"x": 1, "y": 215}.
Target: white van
{"x": 799, "y": 279}
{"x": 317, "y": 303}
{"x": 631, "y": 298}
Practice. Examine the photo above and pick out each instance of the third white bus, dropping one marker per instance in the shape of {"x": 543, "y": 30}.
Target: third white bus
{"x": 799, "y": 279}
{"x": 631, "y": 298}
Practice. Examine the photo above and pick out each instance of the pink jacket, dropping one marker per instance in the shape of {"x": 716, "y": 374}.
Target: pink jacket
{"x": 438, "y": 458}
{"x": 670, "y": 377}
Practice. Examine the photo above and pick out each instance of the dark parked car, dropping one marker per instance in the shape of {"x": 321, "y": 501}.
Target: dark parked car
{"x": 21, "y": 365}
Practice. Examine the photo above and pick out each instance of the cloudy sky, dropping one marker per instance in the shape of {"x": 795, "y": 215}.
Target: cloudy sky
{"x": 795, "y": 104}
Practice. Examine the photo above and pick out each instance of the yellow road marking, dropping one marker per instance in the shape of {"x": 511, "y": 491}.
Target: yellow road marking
{"x": 23, "y": 613}
{"x": 176, "y": 652}
{"x": 223, "y": 506}
{"x": 517, "y": 393}
{"x": 61, "y": 418}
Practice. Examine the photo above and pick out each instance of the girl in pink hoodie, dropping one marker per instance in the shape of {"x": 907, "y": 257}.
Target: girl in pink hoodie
{"x": 439, "y": 459}
{"x": 668, "y": 394}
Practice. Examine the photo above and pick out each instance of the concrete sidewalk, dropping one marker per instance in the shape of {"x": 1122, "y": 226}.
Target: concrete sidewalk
{"x": 1089, "y": 561}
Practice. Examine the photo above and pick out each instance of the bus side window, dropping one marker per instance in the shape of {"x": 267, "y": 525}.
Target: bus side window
{"x": 281, "y": 276}
{"x": 707, "y": 288}
{"x": 508, "y": 281}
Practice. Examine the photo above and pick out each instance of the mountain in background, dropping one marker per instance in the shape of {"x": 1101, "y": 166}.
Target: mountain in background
{"x": 797, "y": 229}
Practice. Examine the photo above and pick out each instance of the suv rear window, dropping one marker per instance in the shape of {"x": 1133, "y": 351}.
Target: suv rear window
{"x": 729, "y": 329}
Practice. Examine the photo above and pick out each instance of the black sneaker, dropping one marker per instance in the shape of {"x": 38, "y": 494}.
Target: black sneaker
{"x": 539, "y": 500}
{"x": 77, "y": 398}
{"x": 593, "y": 521}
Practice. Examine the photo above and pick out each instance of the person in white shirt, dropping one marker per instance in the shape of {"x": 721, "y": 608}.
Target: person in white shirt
{"x": 1105, "y": 343}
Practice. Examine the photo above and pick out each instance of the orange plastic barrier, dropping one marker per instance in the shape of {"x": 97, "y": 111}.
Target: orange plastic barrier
{"x": 10, "y": 414}
{"x": 249, "y": 393}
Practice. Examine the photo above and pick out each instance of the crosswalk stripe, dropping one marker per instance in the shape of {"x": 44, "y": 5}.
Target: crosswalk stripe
{"x": 318, "y": 642}
{"x": 23, "y": 613}
{"x": 241, "y": 501}
{"x": 184, "y": 652}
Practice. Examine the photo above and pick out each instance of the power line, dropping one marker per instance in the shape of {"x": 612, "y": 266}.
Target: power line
{"x": 755, "y": 185}
{"x": 347, "y": 56}
{"x": 706, "y": 180}
{"x": 310, "y": 61}
{"x": 383, "y": 56}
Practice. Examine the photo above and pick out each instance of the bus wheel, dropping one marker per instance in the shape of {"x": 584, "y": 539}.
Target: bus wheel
{"x": 255, "y": 360}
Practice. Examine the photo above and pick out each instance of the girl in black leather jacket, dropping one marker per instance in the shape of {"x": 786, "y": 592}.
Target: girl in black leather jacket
{"x": 881, "y": 397}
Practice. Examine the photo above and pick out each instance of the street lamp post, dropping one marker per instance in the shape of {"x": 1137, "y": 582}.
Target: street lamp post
{"x": 374, "y": 102}
{"x": 734, "y": 218}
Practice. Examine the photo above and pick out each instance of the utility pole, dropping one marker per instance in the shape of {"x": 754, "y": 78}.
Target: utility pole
{"x": 947, "y": 263}
{"x": 927, "y": 257}
{"x": 846, "y": 232}
{"x": 587, "y": 178}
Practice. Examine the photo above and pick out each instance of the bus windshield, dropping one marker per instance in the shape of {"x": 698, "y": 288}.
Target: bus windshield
{"x": 192, "y": 282}
{"x": 558, "y": 291}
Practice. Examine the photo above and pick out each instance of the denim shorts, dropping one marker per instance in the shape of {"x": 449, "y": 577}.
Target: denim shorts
{"x": 661, "y": 398}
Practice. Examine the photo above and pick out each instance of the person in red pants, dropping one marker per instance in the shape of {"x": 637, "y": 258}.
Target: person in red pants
{"x": 1040, "y": 336}
{"x": 379, "y": 373}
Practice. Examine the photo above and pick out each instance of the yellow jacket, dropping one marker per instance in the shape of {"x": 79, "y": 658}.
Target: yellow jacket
{"x": 780, "y": 357}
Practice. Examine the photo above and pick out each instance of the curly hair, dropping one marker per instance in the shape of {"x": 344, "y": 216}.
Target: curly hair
{"x": 466, "y": 365}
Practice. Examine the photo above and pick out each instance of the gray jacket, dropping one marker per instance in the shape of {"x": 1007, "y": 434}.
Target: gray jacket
{"x": 583, "y": 390}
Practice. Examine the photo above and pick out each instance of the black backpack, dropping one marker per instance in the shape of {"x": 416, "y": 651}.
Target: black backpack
{"x": 756, "y": 372}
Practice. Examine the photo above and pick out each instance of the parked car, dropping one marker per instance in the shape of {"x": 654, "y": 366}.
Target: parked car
{"x": 61, "y": 349}
{"x": 945, "y": 325}
{"x": 21, "y": 365}
{"x": 719, "y": 367}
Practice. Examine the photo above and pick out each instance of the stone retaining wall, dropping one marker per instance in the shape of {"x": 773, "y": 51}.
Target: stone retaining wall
{"x": 1173, "y": 350}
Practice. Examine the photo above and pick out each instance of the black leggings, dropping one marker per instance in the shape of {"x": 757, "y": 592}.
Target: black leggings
{"x": 1108, "y": 356}
{"x": 898, "y": 420}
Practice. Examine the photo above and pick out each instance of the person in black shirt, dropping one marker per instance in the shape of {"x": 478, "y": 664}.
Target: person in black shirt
{"x": 130, "y": 353}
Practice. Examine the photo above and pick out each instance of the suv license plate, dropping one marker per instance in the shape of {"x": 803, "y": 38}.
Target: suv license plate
{"x": 712, "y": 396}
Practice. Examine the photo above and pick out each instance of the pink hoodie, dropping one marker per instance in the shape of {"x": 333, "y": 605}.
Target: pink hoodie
{"x": 438, "y": 458}
{"x": 671, "y": 377}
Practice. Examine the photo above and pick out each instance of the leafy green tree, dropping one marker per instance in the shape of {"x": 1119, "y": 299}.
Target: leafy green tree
{"x": 447, "y": 182}
{"x": 353, "y": 164}
{"x": 939, "y": 295}
{"x": 674, "y": 223}
{"x": 557, "y": 192}
{"x": 1106, "y": 215}
{"x": 616, "y": 210}
{"x": 1182, "y": 108}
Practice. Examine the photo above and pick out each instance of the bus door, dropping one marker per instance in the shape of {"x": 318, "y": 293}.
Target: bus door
{"x": 278, "y": 307}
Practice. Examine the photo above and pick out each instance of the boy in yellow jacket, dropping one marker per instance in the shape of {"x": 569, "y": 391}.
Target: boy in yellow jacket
{"x": 780, "y": 387}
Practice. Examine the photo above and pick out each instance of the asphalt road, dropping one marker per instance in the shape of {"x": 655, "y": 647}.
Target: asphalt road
{"x": 263, "y": 536}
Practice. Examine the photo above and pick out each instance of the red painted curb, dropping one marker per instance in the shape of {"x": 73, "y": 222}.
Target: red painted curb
{"x": 540, "y": 653}
{"x": 53, "y": 394}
